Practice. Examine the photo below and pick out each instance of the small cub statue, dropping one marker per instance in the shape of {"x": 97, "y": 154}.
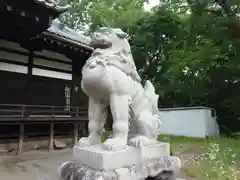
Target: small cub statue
{"x": 110, "y": 78}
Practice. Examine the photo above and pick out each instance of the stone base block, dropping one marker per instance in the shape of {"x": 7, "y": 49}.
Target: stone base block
{"x": 99, "y": 159}
{"x": 164, "y": 168}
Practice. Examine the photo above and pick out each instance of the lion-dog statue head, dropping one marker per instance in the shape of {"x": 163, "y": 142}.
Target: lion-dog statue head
{"x": 114, "y": 43}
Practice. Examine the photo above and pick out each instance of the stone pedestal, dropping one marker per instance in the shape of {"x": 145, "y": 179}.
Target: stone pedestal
{"x": 94, "y": 163}
{"x": 99, "y": 159}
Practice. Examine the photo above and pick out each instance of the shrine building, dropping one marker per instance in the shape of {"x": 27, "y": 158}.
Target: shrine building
{"x": 40, "y": 72}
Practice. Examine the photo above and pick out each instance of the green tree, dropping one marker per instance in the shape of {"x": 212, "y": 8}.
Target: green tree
{"x": 87, "y": 15}
{"x": 189, "y": 49}
{"x": 205, "y": 69}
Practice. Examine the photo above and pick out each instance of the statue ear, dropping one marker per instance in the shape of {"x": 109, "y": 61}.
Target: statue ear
{"x": 120, "y": 33}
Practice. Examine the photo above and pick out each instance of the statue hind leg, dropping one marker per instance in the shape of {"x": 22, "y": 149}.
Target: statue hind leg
{"x": 145, "y": 131}
{"x": 97, "y": 114}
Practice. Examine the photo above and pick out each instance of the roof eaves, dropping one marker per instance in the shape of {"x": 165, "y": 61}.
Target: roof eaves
{"x": 71, "y": 41}
{"x": 53, "y": 5}
{"x": 60, "y": 31}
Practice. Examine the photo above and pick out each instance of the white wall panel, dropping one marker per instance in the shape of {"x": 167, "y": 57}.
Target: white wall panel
{"x": 51, "y": 74}
{"x": 52, "y": 64}
{"x": 13, "y": 57}
{"x": 191, "y": 122}
{"x": 12, "y": 45}
{"x": 13, "y": 68}
{"x": 53, "y": 55}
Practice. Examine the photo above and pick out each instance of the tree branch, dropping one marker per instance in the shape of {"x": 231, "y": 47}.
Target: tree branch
{"x": 226, "y": 7}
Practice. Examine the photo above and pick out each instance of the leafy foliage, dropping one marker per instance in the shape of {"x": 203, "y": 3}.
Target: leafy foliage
{"x": 88, "y": 15}
{"x": 189, "y": 49}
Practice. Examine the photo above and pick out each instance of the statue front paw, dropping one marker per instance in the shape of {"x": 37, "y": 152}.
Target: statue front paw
{"x": 88, "y": 141}
{"x": 140, "y": 141}
{"x": 115, "y": 144}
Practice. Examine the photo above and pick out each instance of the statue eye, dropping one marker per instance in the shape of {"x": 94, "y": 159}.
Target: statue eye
{"x": 107, "y": 32}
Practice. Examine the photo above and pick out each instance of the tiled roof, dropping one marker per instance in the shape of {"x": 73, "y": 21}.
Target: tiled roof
{"x": 60, "y": 31}
{"x": 53, "y": 5}
{"x": 64, "y": 32}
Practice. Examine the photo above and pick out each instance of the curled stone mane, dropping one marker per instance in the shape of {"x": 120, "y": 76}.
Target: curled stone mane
{"x": 112, "y": 44}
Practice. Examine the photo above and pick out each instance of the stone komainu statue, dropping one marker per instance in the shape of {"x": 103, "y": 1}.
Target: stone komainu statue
{"x": 109, "y": 77}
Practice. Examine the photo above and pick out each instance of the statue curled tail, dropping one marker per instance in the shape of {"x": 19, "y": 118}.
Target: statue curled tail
{"x": 144, "y": 112}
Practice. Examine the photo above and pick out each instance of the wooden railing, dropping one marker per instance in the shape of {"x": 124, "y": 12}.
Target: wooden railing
{"x": 12, "y": 114}
{"x": 17, "y": 113}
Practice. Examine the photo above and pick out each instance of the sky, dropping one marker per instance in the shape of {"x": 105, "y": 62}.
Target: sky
{"x": 151, "y": 4}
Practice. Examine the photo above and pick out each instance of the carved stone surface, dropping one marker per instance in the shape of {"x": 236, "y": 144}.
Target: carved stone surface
{"x": 160, "y": 168}
{"x": 110, "y": 78}
{"x": 99, "y": 159}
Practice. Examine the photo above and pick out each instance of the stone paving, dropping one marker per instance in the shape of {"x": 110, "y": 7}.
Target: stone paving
{"x": 37, "y": 166}
{"x": 34, "y": 165}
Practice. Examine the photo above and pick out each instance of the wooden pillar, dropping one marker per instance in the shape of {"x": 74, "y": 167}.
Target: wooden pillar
{"x": 51, "y": 133}
{"x": 20, "y": 139}
{"x": 30, "y": 61}
{"x": 21, "y": 131}
{"x": 75, "y": 129}
{"x": 51, "y": 137}
{"x": 75, "y": 134}
{"x": 29, "y": 76}
{"x": 25, "y": 100}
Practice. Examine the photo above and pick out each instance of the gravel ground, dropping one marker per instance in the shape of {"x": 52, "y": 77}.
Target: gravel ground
{"x": 35, "y": 165}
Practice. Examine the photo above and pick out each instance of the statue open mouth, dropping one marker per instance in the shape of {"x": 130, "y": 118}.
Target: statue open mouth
{"x": 100, "y": 43}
